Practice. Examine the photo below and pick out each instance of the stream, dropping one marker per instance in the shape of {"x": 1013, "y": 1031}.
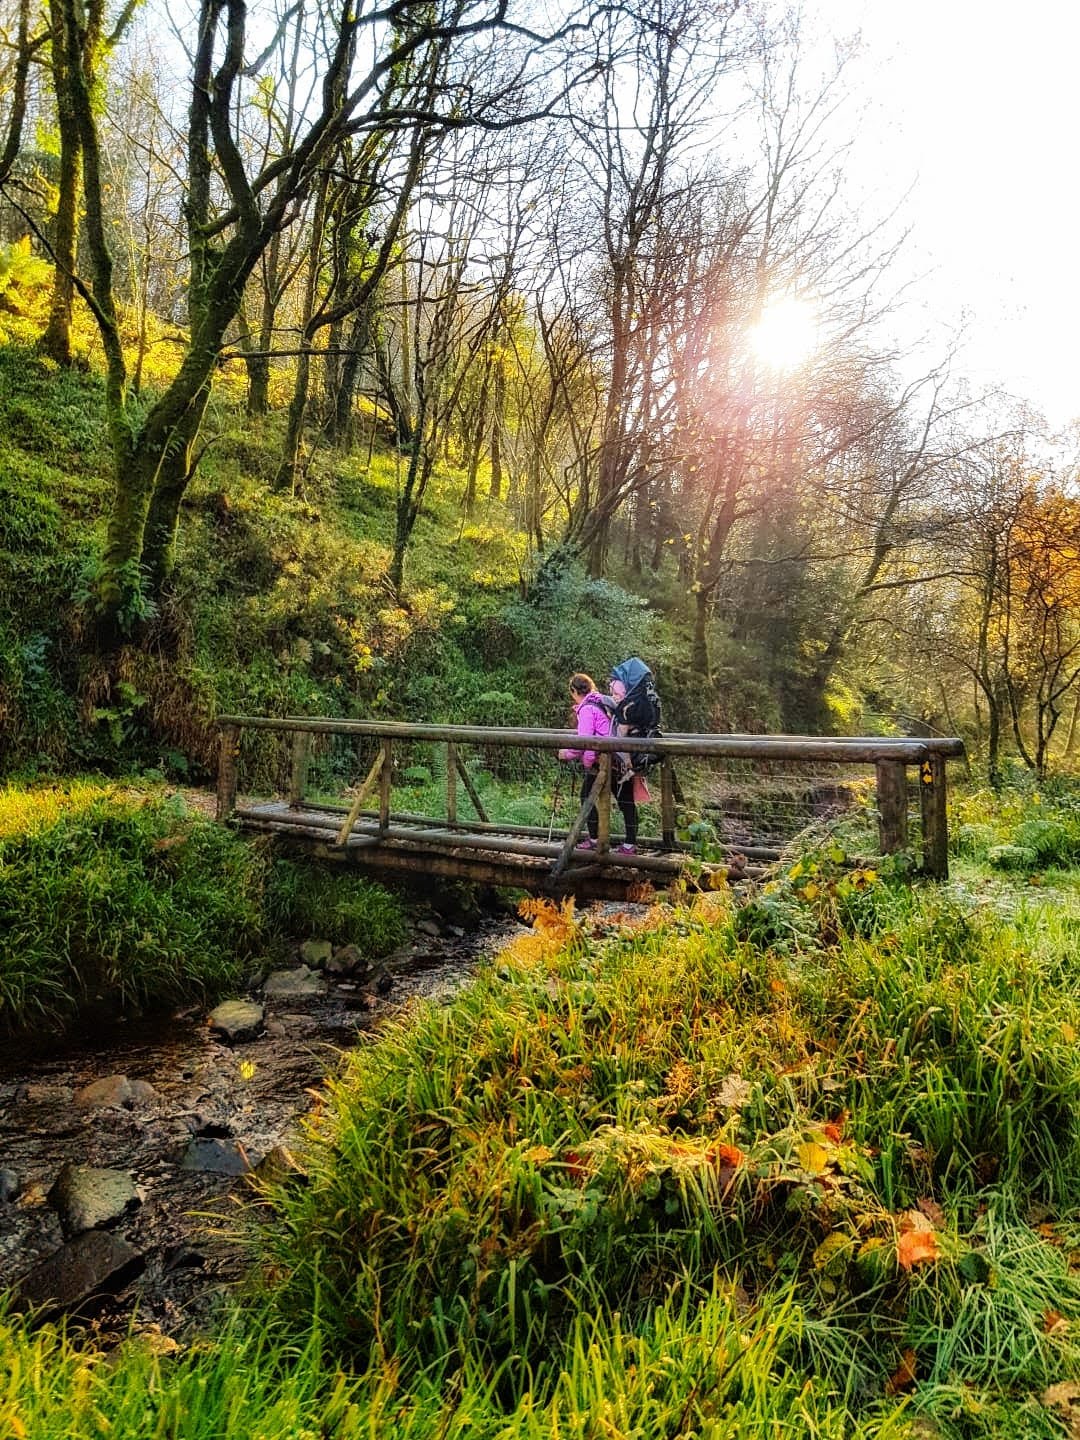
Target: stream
{"x": 175, "y": 1147}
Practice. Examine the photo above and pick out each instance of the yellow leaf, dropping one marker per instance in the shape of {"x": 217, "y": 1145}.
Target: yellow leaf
{"x": 813, "y": 1158}
{"x": 811, "y": 891}
{"x": 1068, "y": 1034}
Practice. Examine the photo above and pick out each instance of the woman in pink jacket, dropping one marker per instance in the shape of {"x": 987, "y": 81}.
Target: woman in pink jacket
{"x": 593, "y": 719}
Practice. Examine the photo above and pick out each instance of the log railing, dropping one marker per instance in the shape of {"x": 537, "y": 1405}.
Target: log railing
{"x": 891, "y": 759}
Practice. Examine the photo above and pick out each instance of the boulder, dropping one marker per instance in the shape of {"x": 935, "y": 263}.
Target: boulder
{"x": 316, "y": 953}
{"x": 237, "y": 1020}
{"x": 294, "y": 984}
{"x": 86, "y": 1197}
{"x": 10, "y": 1185}
{"x": 211, "y": 1155}
{"x": 348, "y": 960}
{"x": 115, "y": 1092}
{"x": 278, "y": 1166}
{"x": 96, "y": 1263}
{"x": 429, "y": 927}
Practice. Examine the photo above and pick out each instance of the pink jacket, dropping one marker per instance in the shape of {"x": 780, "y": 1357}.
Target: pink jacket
{"x": 592, "y": 719}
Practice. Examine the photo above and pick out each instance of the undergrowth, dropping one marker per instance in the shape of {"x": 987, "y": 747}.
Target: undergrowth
{"x": 123, "y": 899}
{"x": 806, "y": 1163}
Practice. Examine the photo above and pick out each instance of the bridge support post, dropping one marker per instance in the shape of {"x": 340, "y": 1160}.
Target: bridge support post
{"x": 603, "y": 807}
{"x": 301, "y": 754}
{"x": 935, "y": 825}
{"x": 451, "y": 783}
{"x": 384, "y": 786}
{"x": 892, "y": 805}
{"x": 667, "y": 805}
{"x": 228, "y": 755}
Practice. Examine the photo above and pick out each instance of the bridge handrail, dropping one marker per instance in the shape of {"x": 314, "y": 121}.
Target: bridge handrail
{"x": 866, "y": 749}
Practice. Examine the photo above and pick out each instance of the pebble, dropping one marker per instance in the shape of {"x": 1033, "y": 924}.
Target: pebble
{"x": 10, "y": 1185}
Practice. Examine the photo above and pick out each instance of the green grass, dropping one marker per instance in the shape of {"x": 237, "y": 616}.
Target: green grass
{"x": 807, "y": 1164}
{"x": 127, "y": 898}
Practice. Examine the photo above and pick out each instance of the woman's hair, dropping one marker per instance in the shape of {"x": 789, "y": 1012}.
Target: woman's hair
{"x": 582, "y": 684}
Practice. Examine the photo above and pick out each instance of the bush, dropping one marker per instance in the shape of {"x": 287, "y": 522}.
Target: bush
{"x": 1012, "y": 857}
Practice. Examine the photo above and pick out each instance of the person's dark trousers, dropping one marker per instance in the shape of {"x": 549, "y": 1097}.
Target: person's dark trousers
{"x": 624, "y": 794}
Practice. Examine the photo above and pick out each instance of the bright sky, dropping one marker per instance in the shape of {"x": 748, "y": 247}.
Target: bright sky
{"x": 974, "y": 103}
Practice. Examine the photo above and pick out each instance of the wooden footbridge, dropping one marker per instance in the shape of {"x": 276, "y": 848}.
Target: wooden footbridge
{"x": 366, "y": 828}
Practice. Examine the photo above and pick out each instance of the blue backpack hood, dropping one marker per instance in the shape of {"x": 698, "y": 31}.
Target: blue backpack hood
{"x": 631, "y": 672}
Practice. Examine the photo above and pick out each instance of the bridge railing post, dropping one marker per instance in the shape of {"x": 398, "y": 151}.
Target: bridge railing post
{"x": 228, "y": 755}
{"x": 385, "y": 777}
{"x": 935, "y": 824}
{"x": 301, "y": 756}
{"x": 892, "y": 805}
{"x": 451, "y": 783}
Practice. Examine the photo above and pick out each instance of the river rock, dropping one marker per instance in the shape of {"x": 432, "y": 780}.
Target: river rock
{"x": 279, "y": 1166}
{"x": 115, "y": 1092}
{"x": 237, "y": 1020}
{"x": 96, "y": 1263}
{"x": 87, "y": 1198}
{"x": 316, "y": 953}
{"x": 348, "y": 960}
{"x": 211, "y": 1155}
{"x": 294, "y": 984}
{"x": 10, "y": 1185}
{"x": 429, "y": 927}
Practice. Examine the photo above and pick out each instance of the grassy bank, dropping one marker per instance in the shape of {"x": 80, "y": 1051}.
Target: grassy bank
{"x": 807, "y": 1165}
{"x": 120, "y": 899}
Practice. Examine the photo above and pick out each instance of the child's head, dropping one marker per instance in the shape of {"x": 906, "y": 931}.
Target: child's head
{"x": 617, "y": 688}
{"x": 581, "y": 685}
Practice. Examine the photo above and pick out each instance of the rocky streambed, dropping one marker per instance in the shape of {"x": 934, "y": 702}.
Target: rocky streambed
{"x": 123, "y": 1151}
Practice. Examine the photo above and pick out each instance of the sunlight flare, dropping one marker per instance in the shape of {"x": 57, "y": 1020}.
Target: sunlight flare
{"x": 785, "y": 335}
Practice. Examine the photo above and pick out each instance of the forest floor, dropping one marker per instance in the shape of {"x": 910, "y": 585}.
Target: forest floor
{"x": 798, "y": 1161}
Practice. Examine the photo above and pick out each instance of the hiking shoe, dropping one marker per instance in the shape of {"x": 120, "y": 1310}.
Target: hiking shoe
{"x": 626, "y": 850}
{"x": 586, "y": 844}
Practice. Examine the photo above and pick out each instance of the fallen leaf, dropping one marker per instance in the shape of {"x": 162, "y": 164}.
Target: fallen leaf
{"x": 1054, "y": 1322}
{"x": 903, "y": 1377}
{"x": 734, "y": 1091}
{"x": 933, "y": 1212}
{"x": 1062, "y": 1396}
{"x": 834, "y": 1130}
{"x": 1068, "y": 1034}
{"x": 576, "y": 1164}
{"x": 726, "y": 1155}
{"x": 813, "y": 1158}
{"x": 917, "y": 1241}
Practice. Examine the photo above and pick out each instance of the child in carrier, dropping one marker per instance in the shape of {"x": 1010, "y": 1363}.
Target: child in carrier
{"x": 636, "y": 712}
{"x": 594, "y": 720}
